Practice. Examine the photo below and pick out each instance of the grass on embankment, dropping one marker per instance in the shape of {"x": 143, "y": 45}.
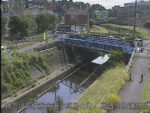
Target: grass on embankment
{"x": 114, "y": 28}
{"x": 98, "y": 29}
{"x": 15, "y": 46}
{"x": 146, "y": 97}
{"x": 98, "y": 89}
{"x": 15, "y": 71}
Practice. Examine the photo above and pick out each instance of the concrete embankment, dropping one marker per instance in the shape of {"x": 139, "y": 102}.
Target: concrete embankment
{"x": 57, "y": 68}
{"x": 40, "y": 83}
{"x": 64, "y": 75}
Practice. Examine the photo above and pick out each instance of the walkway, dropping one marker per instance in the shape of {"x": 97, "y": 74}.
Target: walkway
{"x": 132, "y": 91}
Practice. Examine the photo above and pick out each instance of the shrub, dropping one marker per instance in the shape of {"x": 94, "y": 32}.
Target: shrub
{"x": 111, "y": 99}
{"x": 117, "y": 57}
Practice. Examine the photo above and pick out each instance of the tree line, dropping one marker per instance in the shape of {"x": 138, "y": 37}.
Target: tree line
{"x": 23, "y": 26}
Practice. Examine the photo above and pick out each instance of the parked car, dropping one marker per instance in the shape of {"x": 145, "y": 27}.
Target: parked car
{"x": 139, "y": 42}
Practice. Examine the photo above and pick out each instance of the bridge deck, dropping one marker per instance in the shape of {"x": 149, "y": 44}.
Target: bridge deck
{"x": 99, "y": 43}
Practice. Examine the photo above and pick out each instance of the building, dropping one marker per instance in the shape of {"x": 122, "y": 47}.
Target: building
{"x": 12, "y": 8}
{"x": 26, "y": 7}
{"x": 36, "y": 6}
{"x": 4, "y": 7}
{"x": 103, "y": 14}
{"x": 128, "y": 9}
{"x": 77, "y": 20}
{"x": 127, "y": 12}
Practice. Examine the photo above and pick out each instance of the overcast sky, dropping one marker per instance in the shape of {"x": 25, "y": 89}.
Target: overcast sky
{"x": 106, "y": 3}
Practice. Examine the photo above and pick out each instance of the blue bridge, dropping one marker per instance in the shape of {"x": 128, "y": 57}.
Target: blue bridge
{"x": 98, "y": 43}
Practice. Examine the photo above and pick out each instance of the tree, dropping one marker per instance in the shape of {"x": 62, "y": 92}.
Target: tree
{"x": 46, "y": 21}
{"x": 93, "y": 8}
{"x": 97, "y": 7}
{"x": 91, "y": 22}
{"x": 18, "y": 27}
{"x": 32, "y": 30}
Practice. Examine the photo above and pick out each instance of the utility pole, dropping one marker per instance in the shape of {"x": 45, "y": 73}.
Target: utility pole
{"x": 134, "y": 25}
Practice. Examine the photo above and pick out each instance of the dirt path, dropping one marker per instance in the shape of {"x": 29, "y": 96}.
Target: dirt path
{"x": 132, "y": 91}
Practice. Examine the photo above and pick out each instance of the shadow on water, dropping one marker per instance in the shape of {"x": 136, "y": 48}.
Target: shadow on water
{"x": 56, "y": 99}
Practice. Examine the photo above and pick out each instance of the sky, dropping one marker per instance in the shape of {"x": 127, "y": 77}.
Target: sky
{"x": 106, "y": 3}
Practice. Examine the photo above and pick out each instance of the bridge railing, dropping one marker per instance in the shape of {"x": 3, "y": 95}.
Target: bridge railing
{"x": 98, "y": 45}
{"x": 110, "y": 40}
{"x": 103, "y": 40}
{"x": 106, "y": 34}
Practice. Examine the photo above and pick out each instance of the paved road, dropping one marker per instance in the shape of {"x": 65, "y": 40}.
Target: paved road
{"x": 31, "y": 47}
{"x": 132, "y": 91}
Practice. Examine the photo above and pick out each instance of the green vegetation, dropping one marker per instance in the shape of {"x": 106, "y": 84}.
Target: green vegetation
{"x": 97, "y": 91}
{"x": 117, "y": 28}
{"x": 146, "y": 97}
{"x": 46, "y": 21}
{"x": 18, "y": 27}
{"x": 92, "y": 9}
{"x": 91, "y": 22}
{"x": 15, "y": 47}
{"x": 15, "y": 70}
{"x": 117, "y": 57}
{"x": 145, "y": 33}
{"x": 98, "y": 29}
{"x": 113, "y": 28}
{"x": 105, "y": 20}
{"x": 23, "y": 26}
{"x": 32, "y": 30}
{"x": 149, "y": 65}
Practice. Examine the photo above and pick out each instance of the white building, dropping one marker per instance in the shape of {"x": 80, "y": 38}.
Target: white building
{"x": 79, "y": 28}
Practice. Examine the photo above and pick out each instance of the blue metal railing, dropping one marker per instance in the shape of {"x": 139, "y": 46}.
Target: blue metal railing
{"x": 98, "y": 43}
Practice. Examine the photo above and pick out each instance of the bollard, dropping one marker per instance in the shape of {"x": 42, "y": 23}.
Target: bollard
{"x": 141, "y": 79}
{"x": 130, "y": 78}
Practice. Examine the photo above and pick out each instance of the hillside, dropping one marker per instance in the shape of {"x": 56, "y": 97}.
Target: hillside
{"x": 113, "y": 28}
{"x": 98, "y": 29}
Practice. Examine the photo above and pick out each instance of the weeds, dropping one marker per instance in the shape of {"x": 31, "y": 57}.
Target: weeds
{"x": 146, "y": 98}
{"x": 96, "y": 92}
{"x": 15, "y": 70}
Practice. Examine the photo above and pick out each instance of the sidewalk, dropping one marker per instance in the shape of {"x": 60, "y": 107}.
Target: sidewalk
{"x": 133, "y": 90}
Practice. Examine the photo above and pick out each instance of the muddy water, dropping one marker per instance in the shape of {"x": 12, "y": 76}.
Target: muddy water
{"x": 56, "y": 99}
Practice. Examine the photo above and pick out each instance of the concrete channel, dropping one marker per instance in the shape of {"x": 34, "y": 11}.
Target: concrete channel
{"x": 63, "y": 89}
{"x": 74, "y": 82}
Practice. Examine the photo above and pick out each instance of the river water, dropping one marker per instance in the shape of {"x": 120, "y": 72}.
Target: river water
{"x": 60, "y": 95}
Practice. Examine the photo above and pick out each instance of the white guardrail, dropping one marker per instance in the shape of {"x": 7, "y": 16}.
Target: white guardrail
{"x": 131, "y": 59}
